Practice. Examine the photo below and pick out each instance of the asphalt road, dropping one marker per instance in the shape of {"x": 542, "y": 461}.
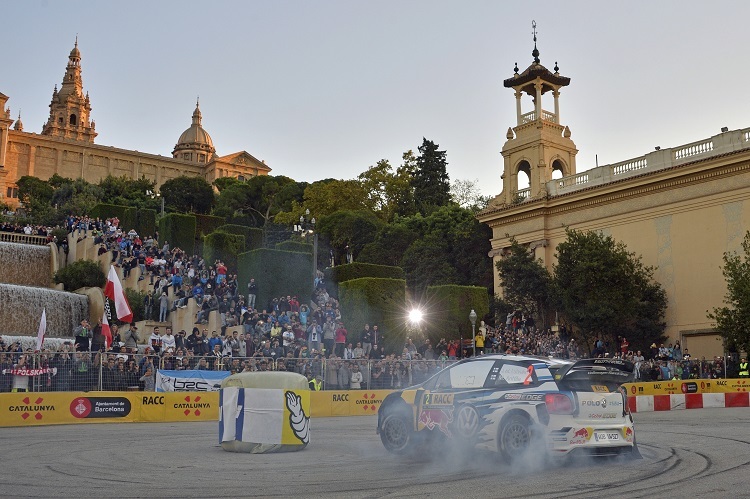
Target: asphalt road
{"x": 698, "y": 453}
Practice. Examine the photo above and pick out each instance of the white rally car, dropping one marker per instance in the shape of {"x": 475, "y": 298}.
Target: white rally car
{"x": 515, "y": 404}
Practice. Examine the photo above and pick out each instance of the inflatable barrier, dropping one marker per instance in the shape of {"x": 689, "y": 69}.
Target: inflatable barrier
{"x": 263, "y": 412}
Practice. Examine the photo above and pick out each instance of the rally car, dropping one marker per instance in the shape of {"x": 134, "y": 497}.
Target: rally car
{"x": 514, "y": 405}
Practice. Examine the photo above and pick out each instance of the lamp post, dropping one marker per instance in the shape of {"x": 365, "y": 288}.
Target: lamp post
{"x": 307, "y": 226}
{"x": 473, "y": 320}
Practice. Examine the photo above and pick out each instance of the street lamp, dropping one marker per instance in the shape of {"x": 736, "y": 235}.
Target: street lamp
{"x": 307, "y": 226}
{"x": 473, "y": 320}
{"x": 154, "y": 195}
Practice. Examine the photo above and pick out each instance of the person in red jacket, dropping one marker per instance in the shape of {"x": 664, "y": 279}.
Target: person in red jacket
{"x": 452, "y": 349}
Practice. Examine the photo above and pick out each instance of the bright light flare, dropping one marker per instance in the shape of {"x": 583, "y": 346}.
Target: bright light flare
{"x": 415, "y": 316}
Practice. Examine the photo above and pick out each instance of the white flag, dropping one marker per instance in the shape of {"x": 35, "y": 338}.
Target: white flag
{"x": 42, "y": 330}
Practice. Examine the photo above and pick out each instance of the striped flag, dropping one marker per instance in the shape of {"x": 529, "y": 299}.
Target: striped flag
{"x": 113, "y": 290}
{"x": 42, "y": 330}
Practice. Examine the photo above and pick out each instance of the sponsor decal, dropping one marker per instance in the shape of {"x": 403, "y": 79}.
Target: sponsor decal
{"x": 151, "y": 400}
{"x": 628, "y": 434}
{"x": 341, "y": 397}
{"x": 581, "y": 436}
{"x": 189, "y": 380}
{"x": 720, "y": 383}
{"x": 595, "y": 403}
{"x": 193, "y": 406}
{"x": 602, "y": 416}
{"x": 35, "y": 406}
{"x": 369, "y": 402}
{"x": 298, "y": 420}
{"x": 439, "y": 418}
{"x": 438, "y": 399}
{"x": 690, "y": 387}
{"x": 100, "y": 407}
{"x": 536, "y": 397}
{"x": 599, "y": 389}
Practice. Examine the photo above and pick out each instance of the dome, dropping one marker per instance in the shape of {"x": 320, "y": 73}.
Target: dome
{"x": 75, "y": 53}
{"x": 195, "y": 135}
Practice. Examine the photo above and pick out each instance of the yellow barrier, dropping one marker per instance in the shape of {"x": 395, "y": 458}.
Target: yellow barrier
{"x": 45, "y": 408}
{"x": 688, "y": 386}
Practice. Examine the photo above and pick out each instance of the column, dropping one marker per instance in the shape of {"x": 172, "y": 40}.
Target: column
{"x": 556, "y": 94}
{"x": 518, "y": 107}
{"x": 32, "y": 160}
{"x": 3, "y": 145}
{"x": 538, "y": 103}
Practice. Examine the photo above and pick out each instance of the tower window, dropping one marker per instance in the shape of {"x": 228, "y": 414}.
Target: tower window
{"x": 187, "y": 156}
{"x": 201, "y": 158}
{"x": 60, "y": 120}
{"x": 73, "y": 120}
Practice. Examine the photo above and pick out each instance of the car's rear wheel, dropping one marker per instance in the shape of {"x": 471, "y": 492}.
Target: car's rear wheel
{"x": 396, "y": 433}
{"x": 515, "y": 437}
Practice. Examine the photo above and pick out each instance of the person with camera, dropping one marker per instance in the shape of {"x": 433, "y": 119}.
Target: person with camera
{"x": 83, "y": 335}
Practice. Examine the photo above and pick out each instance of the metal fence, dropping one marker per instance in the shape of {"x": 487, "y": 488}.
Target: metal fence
{"x": 92, "y": 371}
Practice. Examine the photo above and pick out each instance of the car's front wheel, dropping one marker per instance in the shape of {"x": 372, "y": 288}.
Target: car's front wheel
{"x": 515, "y": 437}
{"x": 396, "y": 433}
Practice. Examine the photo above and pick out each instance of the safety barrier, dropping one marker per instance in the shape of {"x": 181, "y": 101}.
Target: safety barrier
{"x": 688, "y": 394}
{"x": 37, "y": 409}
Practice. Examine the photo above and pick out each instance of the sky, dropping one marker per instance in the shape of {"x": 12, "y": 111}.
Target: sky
{"x": 325, "y": 89}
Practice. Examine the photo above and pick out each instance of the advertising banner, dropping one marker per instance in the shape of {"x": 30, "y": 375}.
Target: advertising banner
{"x": 189, "y": 380}
{"x": 347, "y": 402}
{"x": 688, "y": 386}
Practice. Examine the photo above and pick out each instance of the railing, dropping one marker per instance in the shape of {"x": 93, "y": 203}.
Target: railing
{"x": 523, "y": 194}
{"x": 577, "y": 179}
{"x": 87, "y": 371}
{"x": 15, "y": 237}
{"x": 629, "y": 166}
{"x": 726, "y": 142}
{"x": 694, "y": 149}
{"x": 530, "y": 117}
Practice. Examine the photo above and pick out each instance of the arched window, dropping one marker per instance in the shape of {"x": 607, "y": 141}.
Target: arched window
{"x": 558, "y": 169}
{"x": 73, "y": 120}
{"x": 524, "y": 175}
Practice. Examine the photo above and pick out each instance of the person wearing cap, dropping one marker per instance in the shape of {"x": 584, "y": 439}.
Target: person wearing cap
{"x": 743, "y": 372}
{"x": 131, "y": 338}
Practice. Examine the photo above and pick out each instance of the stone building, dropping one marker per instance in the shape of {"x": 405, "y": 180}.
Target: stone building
{"x": 66, "y": 146}
{"x": 680, "y": 208}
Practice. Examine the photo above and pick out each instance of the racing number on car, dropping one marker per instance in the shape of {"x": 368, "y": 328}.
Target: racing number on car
{"x": 529, "y": 372}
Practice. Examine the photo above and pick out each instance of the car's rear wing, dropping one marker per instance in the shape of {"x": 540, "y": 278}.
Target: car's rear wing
{"x": 593, "y": 374}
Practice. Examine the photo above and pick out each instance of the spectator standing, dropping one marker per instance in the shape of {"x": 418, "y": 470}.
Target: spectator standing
{"x": 131, "y": 337}
{"x": 83, "y": 334}
{"x": 252, "y": 291}
{"x": 356, "y": 378}
{"x": 163, "y": 307}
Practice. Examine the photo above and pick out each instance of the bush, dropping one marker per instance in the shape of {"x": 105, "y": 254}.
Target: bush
{"x": 126, "y": 214}
{"x": 276, "y": 273}
{"x": 146, "y": 222}
{"x": 81, "y": 274}
{"x": 224, "y": 247}
{"x": 253, "y": 237}
{"x": 295, "y": 246}
{"x": 135, "y": 300}
{"x": 450, "y": 306}
{"x": 342, "y": 273}
{"x": 60, "y": 235}
{"x": 179, "y": 231}
{"x": 206, "y": 224}
{"x": 376, "y": 301}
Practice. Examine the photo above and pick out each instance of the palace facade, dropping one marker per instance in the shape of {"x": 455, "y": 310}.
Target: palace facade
{"x": 66, "y": 146}
{"x": 680, "y": 208}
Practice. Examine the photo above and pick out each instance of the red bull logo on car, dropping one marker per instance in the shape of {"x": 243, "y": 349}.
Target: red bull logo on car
{"x": 628, "y": 434}
{"x": 581, "y": 436}
{"x": 431, "y": 418}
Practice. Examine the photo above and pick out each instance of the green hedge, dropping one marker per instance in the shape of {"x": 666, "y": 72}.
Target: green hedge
{"x": 253, "y": 236}
{"x": 295, "y": 246}
{"x": 449, "y": 309}
{"x": 224, "y": 247}
{"x": 179, "y": 231}
{"x": 146, "y": 222}
{"x": 375, "y": 301}
{"x": 277, "y": 273}
{"x": 81, "y": 274}
{"x": 127, "y": 215}
{"x": 206, "y": 224}
{"x": 342, "y": 273}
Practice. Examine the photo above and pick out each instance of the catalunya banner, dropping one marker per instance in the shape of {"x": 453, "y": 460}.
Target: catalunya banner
{"x": 113, "y": 291}
{"x": 189, "y": 380}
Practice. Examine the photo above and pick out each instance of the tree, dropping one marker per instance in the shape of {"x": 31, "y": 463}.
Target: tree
{"x": 34, "y": 193}
{"x": 467, "y": 195}
{"x": 349, "y": 229}
{"x": 81, "y": 274}
{"x": 603, "y": 290}
{"x": 430, "y": 180}
{"x": 733, "y": 320}
{"x": 525, "y": 281}
{"x": 388, "y": 193}
{"x": 138, "y": 193}
{"x": 188, "y": 195}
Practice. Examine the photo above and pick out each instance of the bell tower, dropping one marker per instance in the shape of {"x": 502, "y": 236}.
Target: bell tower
{"x": 69, "y": 109}
{"x": 538, "y": 145}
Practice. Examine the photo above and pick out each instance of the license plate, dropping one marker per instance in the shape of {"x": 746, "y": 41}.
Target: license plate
{"x": 606, "y": 436}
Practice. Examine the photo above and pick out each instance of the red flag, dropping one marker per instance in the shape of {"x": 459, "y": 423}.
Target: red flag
{"x": 106, "y": 331}
{"x": 113, "y": 291}
{"x": 42, "y": 330}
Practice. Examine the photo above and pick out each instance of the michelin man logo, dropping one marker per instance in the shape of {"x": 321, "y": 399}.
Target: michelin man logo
{"x": 297, "y": 419}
